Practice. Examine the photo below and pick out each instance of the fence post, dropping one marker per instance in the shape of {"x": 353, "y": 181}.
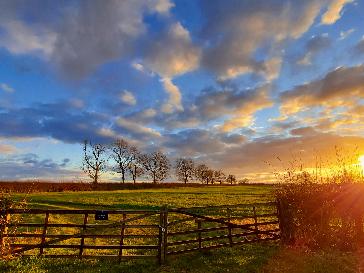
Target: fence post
{"x": 256, "y": 223}
{"x": 165, "y": 235}
{"x": 199, "y": 226}
{"x": 46, "y": 219}
{"x": 82, "y": 243}
{"x": 228, "y": 210}
{"x": 160, "y": 237}
{"x": 122, "y": 237}
{"x": 4, "y": 221}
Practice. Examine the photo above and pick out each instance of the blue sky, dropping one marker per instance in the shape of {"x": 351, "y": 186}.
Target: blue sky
{"x": 233, "y": 84}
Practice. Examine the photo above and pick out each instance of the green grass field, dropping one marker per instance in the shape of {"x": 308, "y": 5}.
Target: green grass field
{"x": 151, "y": 198}
{"x": 262, "y": 258}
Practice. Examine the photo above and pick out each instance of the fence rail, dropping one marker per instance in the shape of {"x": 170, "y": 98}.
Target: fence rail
{"x": 128, "y": 234}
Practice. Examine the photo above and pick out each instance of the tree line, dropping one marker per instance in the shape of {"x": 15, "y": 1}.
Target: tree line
{"x": 128, "y": 161}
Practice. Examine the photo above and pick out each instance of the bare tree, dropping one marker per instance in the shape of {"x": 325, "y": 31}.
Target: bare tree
{"x": 204, "y": 174}
{"x": 219, "y": 176}
{"x": 135, "y": 167}
{"x": 94, "y": 161}
{"x": 244, "y": 181}
{"x": 122, "y": 156}
{"x": 231, "y": 179}
{"x": 156, "y": 165}
{"x": 184, "y": 169}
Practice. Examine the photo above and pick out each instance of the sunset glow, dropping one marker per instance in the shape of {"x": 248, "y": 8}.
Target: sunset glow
{"x": 361, "y": 162}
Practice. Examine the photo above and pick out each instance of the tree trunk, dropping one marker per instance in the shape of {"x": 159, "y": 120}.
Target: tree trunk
{"x": 96, "y": 177}
{"x": 134, "y": 174}
{"x": 123, "y": 175}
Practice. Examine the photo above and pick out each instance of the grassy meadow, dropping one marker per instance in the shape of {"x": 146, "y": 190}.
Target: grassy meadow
{"x": 263, "y": 257}
{"x": 150, "y": 198}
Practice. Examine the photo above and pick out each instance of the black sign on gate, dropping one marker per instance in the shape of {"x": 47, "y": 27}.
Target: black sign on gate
{"x": 102, "y": 215}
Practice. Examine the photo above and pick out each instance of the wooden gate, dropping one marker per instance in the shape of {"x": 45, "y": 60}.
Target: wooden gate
{"x": 129, "y": 234}
{"x": 122, "y": 234}
{"x": 220, "y": 226}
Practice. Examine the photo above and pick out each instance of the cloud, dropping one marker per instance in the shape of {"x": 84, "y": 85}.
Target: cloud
{"x": 20, "y": 38}
{"x": 98, "y": 33}
{"x": 30, "y": 166}
{"x": 313, "y": 46}
{"x": 50, "y": 120}
{"x": 7, "y": 149}
{"x": 200, "y": 142}
{"x": 172, "y": 53}
{"x": 333, "y": 12}
{"x": 135, "y": 129}
{"x": 193, "y": 142}
{"x": 175, "y": 99}
{"x": 260, "y": 155}
{"x": 138, "y": 66}
{"x": 238, "y": 106}
{"x": 235, "y": 32}
{"x": 169, "y": 55}
{"x": 128, "y": 98}
{"x": 6, "y": 88}
{"x": 340, "y": 87}
{"x": 163, "y": 6}
{"x": 347, "y": 33}
{"x": 77, "y": 38}
{"x": 359, "y": 48}
{"x": 225, "y": 108}
{"x": 303, "y": 131}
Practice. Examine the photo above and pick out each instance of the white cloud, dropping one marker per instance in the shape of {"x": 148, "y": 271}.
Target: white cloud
{"x": 333, "y": 12}
{"x": 137, "y": 129}
{"x": 173, "y": 53}
{"x": 20, "y": 38}
{"x": 128, "y": 98}
{"x": 163, "y": 6}
{"x": 174, "y": 101}
{"x": 345, "y": 34}
{"x": 149, "y": 113}
{"x": 7, "y": 88}
{"x": 137, "y": 66}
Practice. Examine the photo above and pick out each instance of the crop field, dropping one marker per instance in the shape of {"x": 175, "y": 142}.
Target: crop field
{"x": 269, "y": 257}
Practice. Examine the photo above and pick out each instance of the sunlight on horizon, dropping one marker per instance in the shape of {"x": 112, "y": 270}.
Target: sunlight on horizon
{"x": 361, "y": 162}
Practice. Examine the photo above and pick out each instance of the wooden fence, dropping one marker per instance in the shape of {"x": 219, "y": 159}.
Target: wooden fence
{"x": 129, "y": 234}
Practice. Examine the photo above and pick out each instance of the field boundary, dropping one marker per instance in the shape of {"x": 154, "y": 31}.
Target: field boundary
{"x": 131, "y": 234}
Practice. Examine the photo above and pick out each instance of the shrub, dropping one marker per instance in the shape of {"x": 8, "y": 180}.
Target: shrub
{"x": 7, "y": 202}
{"x": 320, "y": 215}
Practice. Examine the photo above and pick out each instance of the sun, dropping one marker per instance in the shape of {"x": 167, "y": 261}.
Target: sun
{"x": 361, "y": 162}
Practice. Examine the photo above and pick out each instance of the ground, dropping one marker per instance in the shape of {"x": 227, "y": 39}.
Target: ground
{"x": 253, "y": 258}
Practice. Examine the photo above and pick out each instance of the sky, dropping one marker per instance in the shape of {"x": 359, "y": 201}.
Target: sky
{"x": 244, "y": 86}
